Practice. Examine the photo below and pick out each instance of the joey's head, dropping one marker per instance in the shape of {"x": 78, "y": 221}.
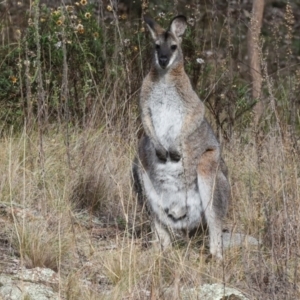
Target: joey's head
{"x": 167, "y": 43}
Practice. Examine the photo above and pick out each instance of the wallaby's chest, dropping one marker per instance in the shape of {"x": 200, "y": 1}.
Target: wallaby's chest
{"x": 167, "y": 113}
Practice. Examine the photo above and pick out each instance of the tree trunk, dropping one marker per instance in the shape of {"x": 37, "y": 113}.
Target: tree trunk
{"x": 254, "y": 57}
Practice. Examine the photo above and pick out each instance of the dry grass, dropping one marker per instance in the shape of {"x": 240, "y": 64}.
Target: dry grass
{"x": 75, "y": 214}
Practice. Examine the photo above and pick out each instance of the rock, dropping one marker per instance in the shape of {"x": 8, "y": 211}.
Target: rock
{"x": 40, "y": 275}
{"x": 238, "y": 239}
{"x": 214, "y": 291}
{"x": 36, "y": 284}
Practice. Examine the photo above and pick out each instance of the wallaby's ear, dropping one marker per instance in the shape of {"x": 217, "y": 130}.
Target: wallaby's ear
{"x": 178, "y": 25}
{"x": 153, "y": 27}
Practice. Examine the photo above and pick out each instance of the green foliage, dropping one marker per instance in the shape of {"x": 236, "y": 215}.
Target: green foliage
{"x": 10, "y": 106}
{"x": 94, "y": 57}
{"x": 92, "y": 65}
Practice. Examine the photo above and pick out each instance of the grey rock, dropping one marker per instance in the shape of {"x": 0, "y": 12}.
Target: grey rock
{"x": 41, "y": 275}
{"x": 8, "y": 290}
{"x": 214, "y": 291}
{"x": 238, "y": 239}
{"x": 36, "y": 284}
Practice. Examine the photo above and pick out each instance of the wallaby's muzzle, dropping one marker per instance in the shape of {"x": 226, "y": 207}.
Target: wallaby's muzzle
{"x": 163, "y": 61}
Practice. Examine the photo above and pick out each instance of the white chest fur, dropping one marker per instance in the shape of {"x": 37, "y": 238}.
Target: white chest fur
{"x": 165, "y": 185}
{"x": 167, "y": 113}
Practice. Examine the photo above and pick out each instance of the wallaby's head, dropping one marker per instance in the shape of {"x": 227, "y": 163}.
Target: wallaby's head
{"x": 167, "y": 42}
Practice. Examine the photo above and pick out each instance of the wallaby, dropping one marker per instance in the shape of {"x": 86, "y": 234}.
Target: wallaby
{"x": 178, "y": 171}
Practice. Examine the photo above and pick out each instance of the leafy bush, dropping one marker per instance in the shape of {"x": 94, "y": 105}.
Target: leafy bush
{"x": 73, "y": 66}
{"x": 84, "y": 66}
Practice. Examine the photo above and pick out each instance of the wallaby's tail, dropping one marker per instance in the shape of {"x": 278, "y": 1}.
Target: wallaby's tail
{"x": 137, "y": 181}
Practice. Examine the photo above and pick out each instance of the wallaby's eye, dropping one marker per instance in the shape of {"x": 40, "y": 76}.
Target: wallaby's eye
{"x": 157, "y": 47}
{"x": 173, "y": 47}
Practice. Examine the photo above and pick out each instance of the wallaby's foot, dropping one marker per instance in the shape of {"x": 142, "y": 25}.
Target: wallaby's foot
{"x": 162, "y": 235}
{"x": 217, "y": 253}
{"x": 215, "y": 235}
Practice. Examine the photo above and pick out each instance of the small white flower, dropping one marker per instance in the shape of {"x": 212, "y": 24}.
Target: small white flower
{"x": 126, "y": 42}
{"x": 209, "y": 53}
{"x": 191, "y": 21}
{"x": 161, "y": 14}
{"x": 19, "y": 63}
{"x": 200, "y": 61}
{"x": 58, "y": 44}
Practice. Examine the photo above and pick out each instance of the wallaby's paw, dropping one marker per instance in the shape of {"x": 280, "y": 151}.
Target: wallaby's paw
{"x": 174, "y": 153}
{"x": 175, "y": 156}
{"x": 161, "y": 154}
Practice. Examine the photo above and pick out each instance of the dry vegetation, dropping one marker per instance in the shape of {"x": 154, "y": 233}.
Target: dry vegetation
{"x": 66, "y": 199}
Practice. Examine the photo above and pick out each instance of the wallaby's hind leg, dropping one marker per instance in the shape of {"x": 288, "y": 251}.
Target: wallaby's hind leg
{"x": 208, "y": 169}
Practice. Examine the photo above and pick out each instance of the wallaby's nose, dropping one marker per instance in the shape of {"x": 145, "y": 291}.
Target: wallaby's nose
{"x": 163, "y": 61}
